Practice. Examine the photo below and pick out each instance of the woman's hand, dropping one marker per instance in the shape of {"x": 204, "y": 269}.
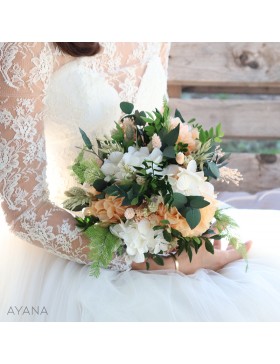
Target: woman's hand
{"x": 204, "y": 259}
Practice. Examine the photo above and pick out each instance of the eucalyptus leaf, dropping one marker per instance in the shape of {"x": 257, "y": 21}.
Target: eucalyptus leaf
{"x": 100, "y": 184}
{"x": 179, "y": 115}
{"x": 198, "y": 202}
{"x": 179, "y": 200}
{"x": 209, "y": 246}
{"x": 126, "y": 107}
{"x": 169, "y": 152}
{"x": 193, "y": 217}
{"x": 86, "y": 139}
{"x": 158, "y": 259}
{"x": 172, "y": 136}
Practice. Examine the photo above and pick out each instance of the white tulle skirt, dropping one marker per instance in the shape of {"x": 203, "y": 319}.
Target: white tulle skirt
{"x": 37, "y": 286}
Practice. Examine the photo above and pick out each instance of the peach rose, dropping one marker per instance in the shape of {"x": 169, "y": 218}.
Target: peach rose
{"x": 109, "y": 209}
{"x": 178, "y": 222}
{"x": 186, "y": 133}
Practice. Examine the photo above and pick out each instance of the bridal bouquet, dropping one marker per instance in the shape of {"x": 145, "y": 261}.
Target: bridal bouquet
{"x": 146, "y": 192}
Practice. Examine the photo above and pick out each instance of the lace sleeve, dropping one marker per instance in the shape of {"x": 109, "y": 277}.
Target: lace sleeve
{"x": 24, "y": 73}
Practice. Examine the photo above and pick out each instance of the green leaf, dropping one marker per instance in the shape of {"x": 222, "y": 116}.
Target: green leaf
{"x": 118, "y": 134}
{"x": 214, "y": 169}
{"x": 135, "y": 201}
{"x": 126, "y": 107}
{"x": 179, "y": 115}
{"x": 172, "y": 136}
{"x": 167, "y": 236}
{"x": 139, "y": 119}
{"x": 190, "y": 253}
{"x": 176, "y": 233}
{"x": 209, "y": 246}
{"x": 158, "y": 259}
{"x": 193, "y": 217}
{"x": 169, "y": 152}
{"x": 86, "y": 139}
{"x": 102, "y": 246}
{"x": 197, "y": 202}
{"x": 179, "y": 200}
{"x": 224, "y": 158}
{"x": 165, "y": 222}
{"x": 100, "y": 184}
{"x": 150, "y": 130}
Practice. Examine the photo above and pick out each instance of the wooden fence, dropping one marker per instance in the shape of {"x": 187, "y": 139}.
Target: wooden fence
{"x": 250, "y": 68}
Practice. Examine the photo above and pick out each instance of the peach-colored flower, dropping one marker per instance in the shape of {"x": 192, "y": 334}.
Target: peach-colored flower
{"x": 180, "y": 158}
{"x": 156, "y": 142}
{"x": 186, "y": 133}
{"x": 109, "y": 209}
{"x": 129, "y": 213}
{"x": 178, "y": 222}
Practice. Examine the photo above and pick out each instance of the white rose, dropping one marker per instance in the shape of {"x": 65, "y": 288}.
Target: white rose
{"x": 135, "y": 157}
{"x": 110, "y": 166}
{"x": 139, "y": 239}
{"x": 192, "y": 183}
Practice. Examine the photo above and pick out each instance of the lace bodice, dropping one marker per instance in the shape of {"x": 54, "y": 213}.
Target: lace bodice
{"x": 45, "y": 96}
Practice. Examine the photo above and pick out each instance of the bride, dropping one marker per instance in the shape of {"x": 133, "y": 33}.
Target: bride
{"x": 48, "y": 91}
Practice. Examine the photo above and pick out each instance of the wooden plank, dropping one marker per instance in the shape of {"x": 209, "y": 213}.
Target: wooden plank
{"x": 219, "y": 64}
{"x": 248, "y": 119}
{"x": 259, "y": 173}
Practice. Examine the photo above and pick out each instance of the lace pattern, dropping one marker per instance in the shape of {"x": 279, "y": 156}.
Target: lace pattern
{"x": 25, "y": 72}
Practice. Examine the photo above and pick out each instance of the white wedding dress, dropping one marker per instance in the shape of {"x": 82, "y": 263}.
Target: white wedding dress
{"x": 45, "y": 96}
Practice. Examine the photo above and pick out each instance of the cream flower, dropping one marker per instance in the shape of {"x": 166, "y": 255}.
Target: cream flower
{"x": 110, "y": 166}
{"x": 189, "y": 182}
{"x": 139, "y": 239}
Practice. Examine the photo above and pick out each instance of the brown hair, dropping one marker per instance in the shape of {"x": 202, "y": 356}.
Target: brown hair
{"x": 79, "y": 49}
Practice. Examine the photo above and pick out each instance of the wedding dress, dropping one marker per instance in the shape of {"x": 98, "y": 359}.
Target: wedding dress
{"x": 45, "y": 96}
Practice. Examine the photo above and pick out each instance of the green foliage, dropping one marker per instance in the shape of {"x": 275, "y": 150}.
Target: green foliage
{"x": 170, "y": 138}
{"x": 102, "y": 246}
{"x": 86, "y": 139}
{"x": 78, "y": 199}
{"x": 118, "y": 134}
{"x": 215, "y": 135}
{"x": 86, "y": 170}
{"x": 179, "y": 115}
{"x": 86, "y": 222}
{"x": 193, "y": 216}
{"x": 130, "y": 193}
{"x": 189, "y": 207}
{"x": 227, "y": 227}
{"x": 126, "y": 107}
{"x": 211, "y": 170}
{"x": 100, "y": 184}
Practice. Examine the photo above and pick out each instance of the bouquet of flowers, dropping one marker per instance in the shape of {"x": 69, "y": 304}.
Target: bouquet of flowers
{"x": 146, "y": 192}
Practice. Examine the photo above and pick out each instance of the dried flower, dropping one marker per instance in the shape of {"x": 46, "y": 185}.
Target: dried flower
{"x": 109, "y": 209}
{"x": 129, "y": 213}
{"x": 156, "y": 142}
{"x": 230, "y": 175}
{"x": 180, "y": 157}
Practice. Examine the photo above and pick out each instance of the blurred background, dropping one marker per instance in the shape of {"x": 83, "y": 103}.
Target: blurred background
{"x": 237, "y": 84}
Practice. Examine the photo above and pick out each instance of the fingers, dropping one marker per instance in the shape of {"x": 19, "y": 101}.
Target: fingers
{"x": 217, "y": 244}
{"x": 231, "y": 254}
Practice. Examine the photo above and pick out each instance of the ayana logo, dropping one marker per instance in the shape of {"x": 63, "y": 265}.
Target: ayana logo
{"x": 25, "y": 310}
